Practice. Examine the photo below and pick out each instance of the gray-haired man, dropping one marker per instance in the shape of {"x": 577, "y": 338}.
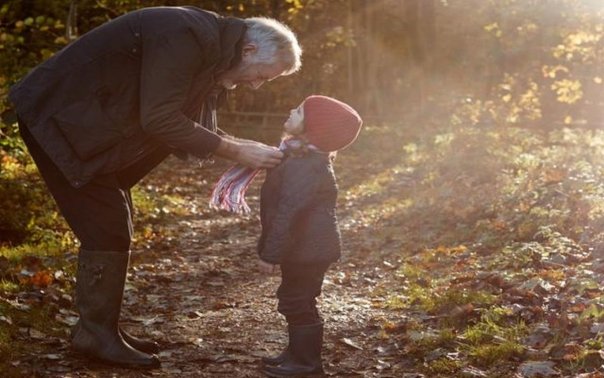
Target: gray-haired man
{"x": 105, "y": 110}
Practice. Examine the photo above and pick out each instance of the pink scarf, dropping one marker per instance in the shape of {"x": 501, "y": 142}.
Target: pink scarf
{"x": 229, "y": 192}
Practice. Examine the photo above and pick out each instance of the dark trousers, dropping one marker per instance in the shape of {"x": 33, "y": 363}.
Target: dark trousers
{"x": 300, "y": 286}
{"x": 100, "y": 212}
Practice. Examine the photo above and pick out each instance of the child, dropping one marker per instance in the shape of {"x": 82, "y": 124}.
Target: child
{"x": 299, "y": 225}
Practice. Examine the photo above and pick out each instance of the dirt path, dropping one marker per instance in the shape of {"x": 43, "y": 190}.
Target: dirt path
{"x": 194, "y": 287}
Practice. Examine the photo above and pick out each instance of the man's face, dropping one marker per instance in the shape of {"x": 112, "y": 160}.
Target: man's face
{"x": 250, "y": 72}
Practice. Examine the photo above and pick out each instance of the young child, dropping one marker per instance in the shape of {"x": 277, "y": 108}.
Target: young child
{"x": 299, "y": 226}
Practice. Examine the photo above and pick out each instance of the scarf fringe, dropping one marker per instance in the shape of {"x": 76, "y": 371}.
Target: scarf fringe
{"x": 229, "y": 192}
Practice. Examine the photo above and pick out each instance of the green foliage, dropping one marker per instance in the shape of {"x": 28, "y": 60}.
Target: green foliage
{"x": 494, "y": 323}
{"x": 29, "y": 33}
{"x": 38, "y": 221}
{"x": 594, "y": 312}
{"x": 518, "y": 181}
{"x": 499, "y": 232}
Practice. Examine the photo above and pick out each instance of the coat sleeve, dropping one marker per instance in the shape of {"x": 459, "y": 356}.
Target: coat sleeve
{"x": 169, "y": 65}
{"x": 299, "y": 185}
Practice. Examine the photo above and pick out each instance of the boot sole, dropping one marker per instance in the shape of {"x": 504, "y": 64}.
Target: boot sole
{"x": 107, "y": 363}
{"x": 272, "y": 363}
{"x": 308, "y": 375}
{"x": 149, "y": 347}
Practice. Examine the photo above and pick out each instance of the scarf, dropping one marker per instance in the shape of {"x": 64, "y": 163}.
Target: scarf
{"x": 229, "y": 191}
{"x": 207, "y": 115}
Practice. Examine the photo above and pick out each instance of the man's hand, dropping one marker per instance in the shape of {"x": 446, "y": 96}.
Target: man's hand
{"x": 258, "y": 155}
{"x": 249, "y": 153}
{"x": 267, "y": 268}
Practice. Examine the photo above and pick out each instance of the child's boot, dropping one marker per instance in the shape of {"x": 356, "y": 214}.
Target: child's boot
{"x": 278, "y": 358}
{"x": 304, "y": 357}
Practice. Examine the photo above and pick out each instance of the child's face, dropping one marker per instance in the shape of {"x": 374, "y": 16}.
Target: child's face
{"x": 295, "y": 123}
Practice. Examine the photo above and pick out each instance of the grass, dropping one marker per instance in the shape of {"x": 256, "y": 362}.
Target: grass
{"x": 40, "y": 250}
{"x": 444, "y": 367}
{"x": 486, "y": 355}
{"x": 9, "y": 287}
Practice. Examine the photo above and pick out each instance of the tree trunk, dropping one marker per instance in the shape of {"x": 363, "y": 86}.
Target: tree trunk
{"x": 421, "y": 34}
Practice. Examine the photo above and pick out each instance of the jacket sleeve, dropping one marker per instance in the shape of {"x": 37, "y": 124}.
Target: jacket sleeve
{"x": 169, "y": 65}
{"x": 299, "y": 185}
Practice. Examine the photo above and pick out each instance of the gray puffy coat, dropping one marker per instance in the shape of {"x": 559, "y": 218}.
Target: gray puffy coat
{"x": 298, "y": 211}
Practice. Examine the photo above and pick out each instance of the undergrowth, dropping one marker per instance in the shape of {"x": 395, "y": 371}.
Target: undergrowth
{"x": 498, "y": 238}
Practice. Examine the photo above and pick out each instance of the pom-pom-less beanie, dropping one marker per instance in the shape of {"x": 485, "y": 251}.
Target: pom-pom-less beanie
{"x": 330, "y": 124}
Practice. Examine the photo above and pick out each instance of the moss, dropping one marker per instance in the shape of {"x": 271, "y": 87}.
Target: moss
{"x": 443, "y": 338}
{"x": 496, "y": 338}
{"x": 443, "y": 366}
{"x": 486, "y": 355}
{"x": 454, "y": 297}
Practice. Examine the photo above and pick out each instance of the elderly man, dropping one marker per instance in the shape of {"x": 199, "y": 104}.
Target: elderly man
{"x": 105, "y": 110}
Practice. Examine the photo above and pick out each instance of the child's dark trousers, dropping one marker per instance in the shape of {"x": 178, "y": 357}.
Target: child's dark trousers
{"x": 300, "y": 286}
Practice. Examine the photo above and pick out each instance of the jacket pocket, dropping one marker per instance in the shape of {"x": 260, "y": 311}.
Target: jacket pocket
{"x": 87, "y": 128}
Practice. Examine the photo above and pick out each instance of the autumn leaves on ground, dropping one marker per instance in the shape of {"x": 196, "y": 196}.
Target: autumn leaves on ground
{"x": 475, "y": 253}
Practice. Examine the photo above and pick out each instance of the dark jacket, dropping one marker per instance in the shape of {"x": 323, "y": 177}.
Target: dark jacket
{"x": 298, "y": 211}
{"x": 128, "y": 88}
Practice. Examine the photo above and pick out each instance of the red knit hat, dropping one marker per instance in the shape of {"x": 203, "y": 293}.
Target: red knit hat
{"x": 330, "y": 124}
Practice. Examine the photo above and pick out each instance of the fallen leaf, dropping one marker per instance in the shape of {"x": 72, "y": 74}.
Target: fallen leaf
{"x": 194, "y": 315}
{"x": 350, "y": 343}
{"x": 593, "y": 360}
{"x": 538, "y": 369}
{"x": 597, "y": 328}
{"x": 37, "y": 335}
{"x": 67, "y": 320}
{"x": 461, "y": 312}
{"x": 382, "y": 365}
{"x": 19, "y": 306}
{"x": 539, "y": 337}
{"x": 471, "y": 371}
{"x": 52, "y": 356}
{"x": 42, "y": 279}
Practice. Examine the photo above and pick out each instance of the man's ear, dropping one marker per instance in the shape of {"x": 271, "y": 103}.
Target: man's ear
{"x": 249, "y": 48}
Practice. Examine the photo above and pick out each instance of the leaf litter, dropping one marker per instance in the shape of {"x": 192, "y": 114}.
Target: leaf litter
{"x": 395, "y": 306}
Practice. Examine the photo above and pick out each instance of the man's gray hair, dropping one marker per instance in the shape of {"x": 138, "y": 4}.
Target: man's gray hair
{"x": 276, "y": 43}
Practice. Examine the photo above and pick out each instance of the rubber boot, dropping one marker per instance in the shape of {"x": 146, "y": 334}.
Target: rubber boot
{"x": 305, "y": 344}
{"x": 278, "y": 359}
{"x": 147, "y": 346}
{"x": 99, "y": 291}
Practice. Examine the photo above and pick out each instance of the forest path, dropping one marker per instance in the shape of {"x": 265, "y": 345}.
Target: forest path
{"x": 194, "y": 287}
